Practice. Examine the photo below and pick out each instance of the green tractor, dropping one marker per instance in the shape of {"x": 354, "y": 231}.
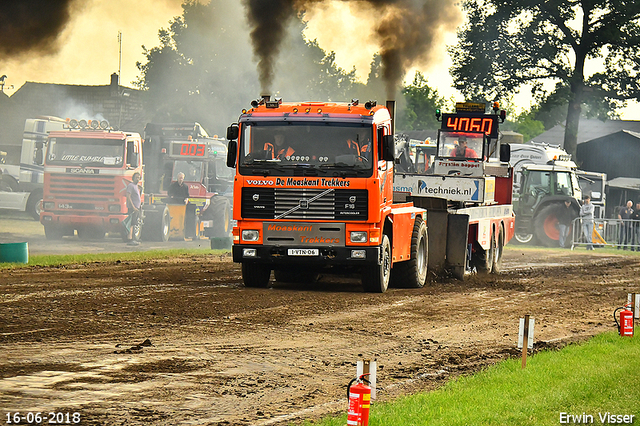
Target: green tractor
{"x": 543, "y": 191}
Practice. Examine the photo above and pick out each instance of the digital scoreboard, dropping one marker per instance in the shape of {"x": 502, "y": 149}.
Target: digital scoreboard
{"x": 471, "y": 122}
{"x": 189, "y": 149}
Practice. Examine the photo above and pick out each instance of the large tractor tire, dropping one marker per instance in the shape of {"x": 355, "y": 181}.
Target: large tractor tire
{"x": 545, "y": 226}
{"x": 413, "y": 273}
{"x": 376, "y": 278}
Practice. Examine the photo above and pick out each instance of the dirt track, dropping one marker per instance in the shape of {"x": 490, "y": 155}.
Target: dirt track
{"x": 225, "y": 354}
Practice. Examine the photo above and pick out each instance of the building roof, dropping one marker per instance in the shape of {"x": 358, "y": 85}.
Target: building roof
{"x": 588, "y": 129}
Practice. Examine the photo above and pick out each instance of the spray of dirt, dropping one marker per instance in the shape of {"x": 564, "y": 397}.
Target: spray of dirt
{"x": 33, "y": 26}
{"x": 408, "y": 32}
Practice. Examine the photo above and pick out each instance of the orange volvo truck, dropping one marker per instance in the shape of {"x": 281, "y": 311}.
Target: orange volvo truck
{"x": 86, "y": 171}
{"x": 313, "y": 193}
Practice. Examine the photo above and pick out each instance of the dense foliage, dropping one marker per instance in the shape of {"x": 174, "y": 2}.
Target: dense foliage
{"x": 507, "y": 44}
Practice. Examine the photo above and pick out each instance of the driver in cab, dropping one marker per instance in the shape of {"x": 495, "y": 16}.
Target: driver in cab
{"x": 462, "y": 150}
{"x": 279, "y": 150}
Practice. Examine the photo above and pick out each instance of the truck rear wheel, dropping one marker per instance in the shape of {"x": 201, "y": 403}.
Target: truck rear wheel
{"x": 255, "y": 275}
{"x": 545, "y": 226}
{"x": 376, "y": 279}
{"x": 413, "y": 273}
{"x": 485, "y": 258}
{"x": 497, "y": 258}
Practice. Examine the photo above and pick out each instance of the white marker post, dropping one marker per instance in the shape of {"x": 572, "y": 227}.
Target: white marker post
{"x": 634, "y": 299}
{"x": 368, "y": 366}
{"x": 525, "y": 333}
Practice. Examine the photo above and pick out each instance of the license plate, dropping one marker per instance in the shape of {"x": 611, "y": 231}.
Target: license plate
{"x": 303, "y": 252}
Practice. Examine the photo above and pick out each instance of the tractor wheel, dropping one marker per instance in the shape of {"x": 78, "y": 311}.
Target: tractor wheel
{"x": 545, "y": 226}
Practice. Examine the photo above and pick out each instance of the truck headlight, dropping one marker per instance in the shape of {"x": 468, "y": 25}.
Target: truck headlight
{"x": 48, "y": 205}
{"x": 114, "y": 208}
{"x": 358, "y": 236}
{"x": 250, "y": 235}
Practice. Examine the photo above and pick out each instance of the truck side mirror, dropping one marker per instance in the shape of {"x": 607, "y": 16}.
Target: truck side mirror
{"x": 232, "y": 132}
{"x": 232, "y": 151}
{"x": 388, "y": 148}
{"x": 505, "y": 153}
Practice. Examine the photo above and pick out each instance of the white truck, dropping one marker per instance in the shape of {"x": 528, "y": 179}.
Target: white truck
{"x": 21, "y": 185}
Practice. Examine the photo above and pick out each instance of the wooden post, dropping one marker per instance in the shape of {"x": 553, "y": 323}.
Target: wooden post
{"x": 525, "y": 341}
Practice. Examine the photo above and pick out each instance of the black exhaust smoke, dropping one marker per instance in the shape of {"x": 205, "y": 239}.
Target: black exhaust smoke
{"x": 32, "y": 26}
{"x": 408, "y": 32}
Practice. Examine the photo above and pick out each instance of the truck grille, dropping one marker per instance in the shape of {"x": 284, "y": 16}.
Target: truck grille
{"x": 297, "y": 204}
{"x": 82, "y": 192}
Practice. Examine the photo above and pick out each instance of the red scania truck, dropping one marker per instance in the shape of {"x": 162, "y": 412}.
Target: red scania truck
{"x": 324, "y": 202}
{"x": 86, "y": 172}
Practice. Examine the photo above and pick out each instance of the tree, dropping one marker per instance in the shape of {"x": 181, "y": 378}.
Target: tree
{"x": 509, "y": 43}
{"x": 421, "y": 104}
{"x": 204, "y": 69}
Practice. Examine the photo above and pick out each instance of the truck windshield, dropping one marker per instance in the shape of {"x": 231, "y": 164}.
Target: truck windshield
{"x": 85, "y": 152}
{"x": 460, "y": 146}
{"x": 192, "y": 170}
{"x": 318, "y": 148}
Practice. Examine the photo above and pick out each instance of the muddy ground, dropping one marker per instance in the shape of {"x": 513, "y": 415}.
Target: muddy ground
{"x": 183, "y": 342}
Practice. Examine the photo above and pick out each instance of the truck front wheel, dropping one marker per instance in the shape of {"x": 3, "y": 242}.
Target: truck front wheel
{"x": 34, "y": 204}
{"x": 376, "y": 279}
{"x": 413, "y": 273}
{"x": 255, "y": 275}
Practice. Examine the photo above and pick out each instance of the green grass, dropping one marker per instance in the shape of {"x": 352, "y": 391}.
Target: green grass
{"x": 67, "y": 259}
{"x": 596, "y": 377}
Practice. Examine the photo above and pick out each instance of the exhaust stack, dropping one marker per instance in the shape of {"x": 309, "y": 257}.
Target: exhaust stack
{"x": 391, "y": 106}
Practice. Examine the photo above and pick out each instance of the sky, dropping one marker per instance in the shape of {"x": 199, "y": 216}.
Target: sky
{"x": 89, "y": 47}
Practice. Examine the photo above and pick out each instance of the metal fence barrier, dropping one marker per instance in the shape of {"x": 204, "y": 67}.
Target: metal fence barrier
{"x": 621, "y": 233}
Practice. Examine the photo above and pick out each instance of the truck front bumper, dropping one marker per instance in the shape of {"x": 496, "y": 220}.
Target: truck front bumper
{"x": 326, "y": 256}
{"x": 110, "y": 223}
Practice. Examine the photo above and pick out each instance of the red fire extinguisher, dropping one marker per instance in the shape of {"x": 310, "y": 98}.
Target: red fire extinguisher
{"x": 359, "y": 396}
{"x": 625, "y": 327}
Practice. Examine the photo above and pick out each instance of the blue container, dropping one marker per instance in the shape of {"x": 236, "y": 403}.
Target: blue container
{"x": 14, "y": 253}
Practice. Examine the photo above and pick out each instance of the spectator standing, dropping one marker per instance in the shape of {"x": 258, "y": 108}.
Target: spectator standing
{"x": 133, "y": 205}
{"x": 586, "y": 216}
{"x": 625, "y": 214}
{"x": 635, "y": 228}
{"x": 178, "y": 191}
{"x": 565, "y": 216}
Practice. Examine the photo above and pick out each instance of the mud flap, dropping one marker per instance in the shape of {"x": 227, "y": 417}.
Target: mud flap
{"x": 437, "y": 224}
{"x": 457, "y": 233}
